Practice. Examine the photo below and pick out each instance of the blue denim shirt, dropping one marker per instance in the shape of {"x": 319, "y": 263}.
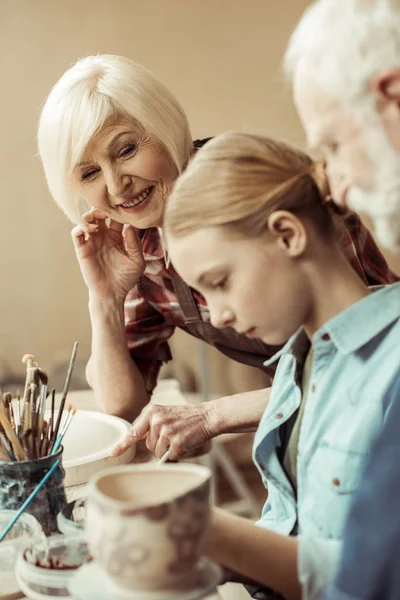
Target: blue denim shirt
{"x": 369, "y": 567}
{"x": 354, "y": 369}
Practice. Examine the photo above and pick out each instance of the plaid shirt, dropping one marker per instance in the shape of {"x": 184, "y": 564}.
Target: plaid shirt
{"x": 152, "y": 310}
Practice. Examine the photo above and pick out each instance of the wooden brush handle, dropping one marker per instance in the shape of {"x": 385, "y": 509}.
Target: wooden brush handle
{"x": 10, "y": 433}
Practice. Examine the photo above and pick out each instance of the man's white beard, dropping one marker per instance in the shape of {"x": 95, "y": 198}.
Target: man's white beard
{"x": 382, "y": 203}
{"x": 386, "y": 222}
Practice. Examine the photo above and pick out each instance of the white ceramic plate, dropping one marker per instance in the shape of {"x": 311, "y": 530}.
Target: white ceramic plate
{"x": 90, "y": 582}
{"x": 88, "y": 442}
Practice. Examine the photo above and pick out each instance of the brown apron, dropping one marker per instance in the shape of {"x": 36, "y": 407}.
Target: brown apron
{"x": 245, "y": 350}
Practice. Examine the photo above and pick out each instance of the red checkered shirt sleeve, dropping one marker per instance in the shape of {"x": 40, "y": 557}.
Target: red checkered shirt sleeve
{"x": 360, "y": 248}
{"x": 147, "y": 333}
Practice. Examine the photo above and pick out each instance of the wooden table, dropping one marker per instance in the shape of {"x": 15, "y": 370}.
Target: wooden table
{"x": 167, "y": 392}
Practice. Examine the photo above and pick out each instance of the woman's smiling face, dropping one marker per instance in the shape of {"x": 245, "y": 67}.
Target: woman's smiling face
{"x": 126, "y": 174}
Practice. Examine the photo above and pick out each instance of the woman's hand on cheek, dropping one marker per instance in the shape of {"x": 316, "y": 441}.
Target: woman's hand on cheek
{"x": 110, "y": 256}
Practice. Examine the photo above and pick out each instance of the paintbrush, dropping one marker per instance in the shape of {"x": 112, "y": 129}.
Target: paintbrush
{"x": 64, "y": 429}
{"x": 43, "y": 441}
{"x": 33, "y": 408}
{"x": 26, "y": 415}
{"x": 53, "y": 402}
{"x": 6, "y": 444}
{"x": 65, "y": 392}
{"x": 7, "y": 399}
{"x": 9, "y": 431}
{"x": 31, "y": 370}
{"x": 4, "y": 456}
{"x": 26, "y": 436}
{"x": 18, "y": 413}
{"x": 41, "y": 410}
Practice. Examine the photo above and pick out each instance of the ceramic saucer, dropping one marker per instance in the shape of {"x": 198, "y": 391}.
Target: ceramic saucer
{"x": 92, "y": 583}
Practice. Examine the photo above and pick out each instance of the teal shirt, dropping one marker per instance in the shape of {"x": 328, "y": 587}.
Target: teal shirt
{"x": 356, "y": 366}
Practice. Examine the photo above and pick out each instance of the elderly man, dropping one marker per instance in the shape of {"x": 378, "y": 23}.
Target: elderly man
{"x": 344, "y": 61}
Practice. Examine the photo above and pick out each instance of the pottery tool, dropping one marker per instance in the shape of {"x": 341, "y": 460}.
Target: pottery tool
{"x": 65, "y": 392}
{"x": 164, "y": 458}
{"x": 64, "y": 429}
{"x": 29, "y": 500}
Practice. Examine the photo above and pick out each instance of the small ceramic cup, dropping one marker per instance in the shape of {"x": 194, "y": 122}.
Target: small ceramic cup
{"x": 147, "y": 526}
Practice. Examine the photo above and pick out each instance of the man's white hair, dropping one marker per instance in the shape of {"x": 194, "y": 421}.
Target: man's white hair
{"x": 344, "y": 43}
{"x": 94, "y": 90}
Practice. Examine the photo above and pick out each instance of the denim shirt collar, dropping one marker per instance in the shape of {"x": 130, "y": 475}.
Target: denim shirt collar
{"x": 352, "y": 328}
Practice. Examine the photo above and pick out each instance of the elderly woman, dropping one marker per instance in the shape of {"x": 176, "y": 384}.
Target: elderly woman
{"x": 114, "y": 139}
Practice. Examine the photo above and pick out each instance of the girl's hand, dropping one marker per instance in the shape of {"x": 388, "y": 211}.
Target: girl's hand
{"x": 110, "y": 257}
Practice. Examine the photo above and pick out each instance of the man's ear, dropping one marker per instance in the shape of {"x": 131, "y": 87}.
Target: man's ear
{"x": 289, "y": 232}
{"x": 386, "y": 84}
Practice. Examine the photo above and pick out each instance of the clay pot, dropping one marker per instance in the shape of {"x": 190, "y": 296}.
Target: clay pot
{"x": 147, "y": 526}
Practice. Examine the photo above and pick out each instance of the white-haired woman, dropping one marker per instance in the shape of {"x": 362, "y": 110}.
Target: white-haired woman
{"x": 114, "y": 139}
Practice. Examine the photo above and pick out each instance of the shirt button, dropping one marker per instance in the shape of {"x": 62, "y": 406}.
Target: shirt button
{"x": 313, "y": 388}
{"x": 326, "y": 337}
{"x": 336, "y": 481}
{"x": 278, "y": 416}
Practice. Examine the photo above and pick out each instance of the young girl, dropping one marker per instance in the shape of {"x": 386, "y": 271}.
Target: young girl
{"x": 249, "y": 210}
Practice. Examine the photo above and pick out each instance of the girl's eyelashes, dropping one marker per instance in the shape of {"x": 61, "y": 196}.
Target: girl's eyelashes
{"x": 221, "y": 284}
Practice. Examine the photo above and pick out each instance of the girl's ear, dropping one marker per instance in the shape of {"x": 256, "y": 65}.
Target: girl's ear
{"x": 288, "y": 231}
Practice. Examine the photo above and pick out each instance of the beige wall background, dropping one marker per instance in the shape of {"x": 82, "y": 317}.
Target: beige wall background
{"x": 220, "y": 57}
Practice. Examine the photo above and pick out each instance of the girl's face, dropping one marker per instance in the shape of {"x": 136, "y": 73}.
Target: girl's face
{"x": 126, "y": 175}
{"x": 250, "y": 284}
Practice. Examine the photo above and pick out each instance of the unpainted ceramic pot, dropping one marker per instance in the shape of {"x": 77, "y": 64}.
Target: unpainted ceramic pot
{"x": 147, "y": 525}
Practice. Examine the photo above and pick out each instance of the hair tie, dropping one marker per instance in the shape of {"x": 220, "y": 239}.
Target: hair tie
{"x": 318, "y": 174}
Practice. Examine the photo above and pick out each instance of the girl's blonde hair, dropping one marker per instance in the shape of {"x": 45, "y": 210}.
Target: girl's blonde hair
{"x": 238, "y": 180}
{"x": 94, "y": 90}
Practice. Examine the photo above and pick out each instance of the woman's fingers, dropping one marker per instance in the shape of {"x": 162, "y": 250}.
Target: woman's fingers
{"x": 126, "y": 443}
{"x": 79, "y": 236}
{"x": 137, "y": 432}
{"x": 162, "y": 446}
{"x": 93, "y": 215}
{"x": 115, "y": 226}
{"x": 133, "y": 246}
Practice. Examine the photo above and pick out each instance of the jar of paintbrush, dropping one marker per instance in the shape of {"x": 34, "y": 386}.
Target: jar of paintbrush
{"x": 31, "y": 445}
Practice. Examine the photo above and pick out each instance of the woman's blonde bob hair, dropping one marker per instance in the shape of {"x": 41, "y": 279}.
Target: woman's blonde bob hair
{"x": 237, "y": 180}
{"x": 91, "y": 92}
